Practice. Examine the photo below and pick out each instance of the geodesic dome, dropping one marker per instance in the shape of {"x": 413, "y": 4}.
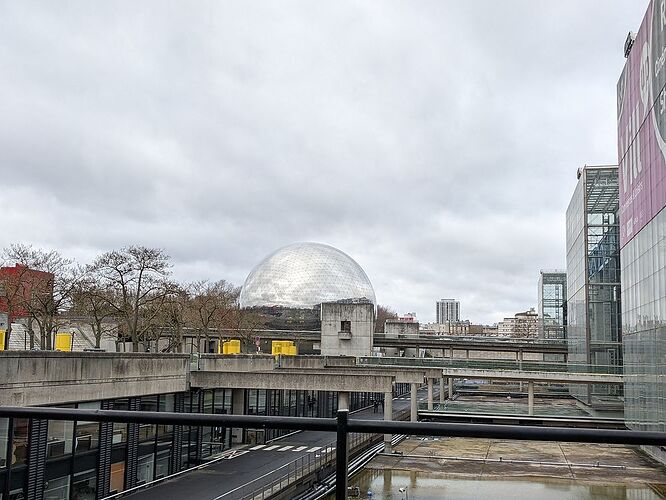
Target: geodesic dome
{"x": 302, "y": 275}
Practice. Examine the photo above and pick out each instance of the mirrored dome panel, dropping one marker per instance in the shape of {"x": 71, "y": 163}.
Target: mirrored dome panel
{"x": 303, "y": 275}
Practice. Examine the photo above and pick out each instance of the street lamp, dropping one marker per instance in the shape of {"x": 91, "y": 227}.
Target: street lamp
{"x": 404, "y": 492}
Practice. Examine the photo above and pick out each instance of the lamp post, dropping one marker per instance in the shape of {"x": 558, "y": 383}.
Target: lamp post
{"x": 405, "y": 493}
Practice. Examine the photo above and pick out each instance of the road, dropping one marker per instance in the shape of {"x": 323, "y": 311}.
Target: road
{"x": 250, "y": 462}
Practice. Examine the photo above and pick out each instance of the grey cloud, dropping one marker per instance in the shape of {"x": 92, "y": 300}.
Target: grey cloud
{"x": 435, "y": 142}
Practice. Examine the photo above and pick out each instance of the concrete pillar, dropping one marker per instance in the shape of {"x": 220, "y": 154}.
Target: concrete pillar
{"x": 237, "y": 408}
{"x": 519, "y": 356}
{"x": 442, "y": 394}
{"x": 414, "y": 409}
{"x": 466, "y": 353}
{"x": 530, "y": 397}
{"x": 450, "y": 388}
{"x": 388, "y": 415}
{"x": 430, "y": 396}
{"x": 343, "y": 401}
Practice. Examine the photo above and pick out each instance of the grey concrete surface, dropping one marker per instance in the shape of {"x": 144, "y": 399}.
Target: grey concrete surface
{"x": 52, "y": 377}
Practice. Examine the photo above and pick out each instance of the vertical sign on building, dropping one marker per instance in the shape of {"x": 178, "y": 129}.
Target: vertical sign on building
{"x": 641, "y": 109}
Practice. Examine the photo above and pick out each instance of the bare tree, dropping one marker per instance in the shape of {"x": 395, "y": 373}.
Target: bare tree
{"x": 47, "y": 286}
{"x": 13, "y": 292}
{"x": 172, "y": 318}
{"x": 383, "y": 313}
{"x": 210, "y": 307}
{"x": 139, "y": 279}
{"x": 244, "y": 324}
{"x": 92, "y": 300}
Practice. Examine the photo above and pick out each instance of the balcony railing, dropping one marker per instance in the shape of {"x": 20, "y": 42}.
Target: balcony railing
{"x": 343, "y": 427}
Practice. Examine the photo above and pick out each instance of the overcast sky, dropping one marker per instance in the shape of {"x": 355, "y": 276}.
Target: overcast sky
{"x": 436, "y": 142}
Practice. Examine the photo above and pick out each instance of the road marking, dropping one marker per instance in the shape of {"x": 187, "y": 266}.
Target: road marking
{"x": 272, "y": 447}
{"x": 285, "y": 448}
{"x": 231, "y": 454}
{"x": 314, "y": 448}
{"x": 258, "y": 447}
{"x": 300, "y": 448}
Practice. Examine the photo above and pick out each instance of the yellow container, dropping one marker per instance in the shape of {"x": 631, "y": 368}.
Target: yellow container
{"x": 63, "y": 342}
{"x": 284, "y": 347}
{"x": 3, "y": 333}
{"x": 231, "y": 347}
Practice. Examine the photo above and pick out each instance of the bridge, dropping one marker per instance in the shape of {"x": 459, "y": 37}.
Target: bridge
{"x": 444, "y": 342}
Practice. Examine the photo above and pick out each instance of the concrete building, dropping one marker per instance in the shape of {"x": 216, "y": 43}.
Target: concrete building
{"x": 552, "y": 304}
{"x": 523, "y": 324}
{"x": 593, "y": 278}
{"x": 447, "y": 311}
{"x": 347, "y": 328}
{"x": 89, "y": 460}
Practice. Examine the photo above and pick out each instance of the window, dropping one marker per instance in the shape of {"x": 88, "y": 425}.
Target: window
{"x": 57, "y": 489}
{"x": 87, "y": 433}
{"x": 4, "y": 432}
{"x": 117, "y": 477}
{"x": 84, "y": 485}
{"x": 59, "y": 440}
{"x": 20, "y": 443}
{"x": 144, "y": 470}
{"x": 162, "y": 464}
{"x": 345, "y": 326}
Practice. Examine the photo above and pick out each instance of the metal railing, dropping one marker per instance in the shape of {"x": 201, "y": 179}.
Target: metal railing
{"x": 295, "y": 471}
{"x": 343, "y": 427}
{"x": 473, "y": 339}
{"x": 493, "y": 364}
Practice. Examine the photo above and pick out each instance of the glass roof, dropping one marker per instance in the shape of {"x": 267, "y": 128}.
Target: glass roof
{"x": 303, "y": 275}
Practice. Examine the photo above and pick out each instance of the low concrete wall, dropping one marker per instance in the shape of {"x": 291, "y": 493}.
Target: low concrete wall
{"x": 571, "y": 377}
{"x": 308, "y": 381}
{"x": 236, "y": 362}
{"x": 29, "y": 378}
{"x": 315, "y": 362}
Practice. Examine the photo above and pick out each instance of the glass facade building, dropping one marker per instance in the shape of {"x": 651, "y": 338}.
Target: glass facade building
{"x": 90, "y": 460}
{"x": 641, "y": 120}
{"x": 594, "y": 334}
{"x": 644, "y": 323}
{"x": 552, "y": 304}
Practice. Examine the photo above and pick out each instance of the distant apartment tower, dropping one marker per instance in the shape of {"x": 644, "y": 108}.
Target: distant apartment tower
{"x": 593, "y": 279}
{"x": 448, "y": 311}
{"x": 552, "y": 305}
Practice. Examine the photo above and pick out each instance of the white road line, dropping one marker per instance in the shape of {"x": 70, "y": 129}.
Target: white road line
{"x": 258, "y": 447}
{"x": 285, "y": 448}
{"x": 272, "y": 447}
{"x": 314, "y": 448}
{"x": 300, "y": 448}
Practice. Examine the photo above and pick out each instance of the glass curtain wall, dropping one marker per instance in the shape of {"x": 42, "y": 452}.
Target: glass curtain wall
{"x": 552, "y": 293}
{"x": 593, "y": 281}
{"x": 644, "y": 322}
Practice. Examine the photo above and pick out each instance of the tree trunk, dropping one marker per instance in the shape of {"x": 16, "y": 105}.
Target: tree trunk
{"x": 31, "y": 332}
{"x": 8, "y": 332}
{"x": 98, "y": 334}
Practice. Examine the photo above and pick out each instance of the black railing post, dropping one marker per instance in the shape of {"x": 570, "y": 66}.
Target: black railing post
{"x": 341, "y": 456}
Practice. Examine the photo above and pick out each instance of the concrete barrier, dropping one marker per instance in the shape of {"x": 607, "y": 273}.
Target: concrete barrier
{"x": 52, "y": 377}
